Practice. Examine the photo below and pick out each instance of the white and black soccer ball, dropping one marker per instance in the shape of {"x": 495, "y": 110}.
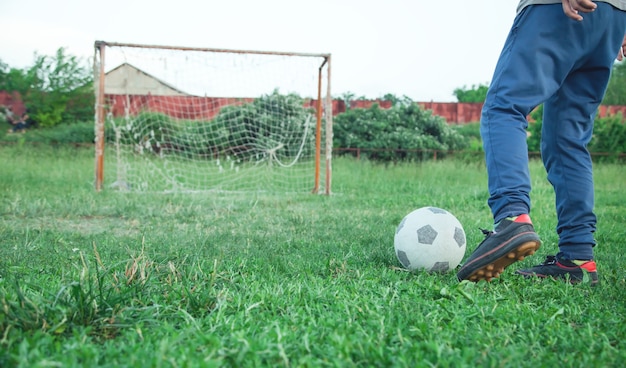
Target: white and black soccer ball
{"x": 430, "y": 239}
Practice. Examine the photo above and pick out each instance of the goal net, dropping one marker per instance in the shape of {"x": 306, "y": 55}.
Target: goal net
{"x": 197, "y": 119}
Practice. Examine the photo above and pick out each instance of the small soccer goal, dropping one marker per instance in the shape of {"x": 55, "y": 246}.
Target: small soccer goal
{"x": 175, "y": 119}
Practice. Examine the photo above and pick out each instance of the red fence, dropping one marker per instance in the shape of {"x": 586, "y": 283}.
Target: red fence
{"x": 190, "y": 107}
{"x": 453, "y": 112}
{"x": 193, "y": 107}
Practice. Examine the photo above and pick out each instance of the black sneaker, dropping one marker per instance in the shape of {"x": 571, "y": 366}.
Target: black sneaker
{"x": 511, "y": 241}
{"x": 563, "y": 269}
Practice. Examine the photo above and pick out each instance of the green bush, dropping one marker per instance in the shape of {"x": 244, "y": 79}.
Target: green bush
{"x": 609, "y": 136}
{"x": 76, "y": 133}
{"x": 273, "y": 124}
{"x": 471, "y": 131}
{"x": 149, "y": 129}
{"x": 403, "y": 132}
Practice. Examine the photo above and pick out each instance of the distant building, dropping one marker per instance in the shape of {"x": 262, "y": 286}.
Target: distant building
{"x": 129, "y": 80}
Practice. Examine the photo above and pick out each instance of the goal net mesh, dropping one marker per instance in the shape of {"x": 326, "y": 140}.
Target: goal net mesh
{"x": 187, "y": 119}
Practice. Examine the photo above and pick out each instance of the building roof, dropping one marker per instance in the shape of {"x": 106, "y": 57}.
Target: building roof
{"x": 127, "y": 79}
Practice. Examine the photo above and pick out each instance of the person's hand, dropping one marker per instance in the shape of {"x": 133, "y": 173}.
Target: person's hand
{"x": 571, "y": 8}
{"x": 621, "y": 55}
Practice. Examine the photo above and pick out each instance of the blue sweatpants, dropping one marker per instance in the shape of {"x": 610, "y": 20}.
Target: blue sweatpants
{"x": 565, "y": 64}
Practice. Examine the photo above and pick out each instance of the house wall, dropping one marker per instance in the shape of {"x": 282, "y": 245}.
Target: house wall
{"x": 180, "y": 107}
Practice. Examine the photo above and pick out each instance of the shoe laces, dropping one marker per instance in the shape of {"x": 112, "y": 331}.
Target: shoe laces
{"x": 487, "y": 233}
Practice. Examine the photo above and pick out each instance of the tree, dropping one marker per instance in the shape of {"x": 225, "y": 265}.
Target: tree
{"x": 615, "y": 93}
{"x": 55, "y": 89}
{"x": 347, "y": 97}
{"x": 12, "y": 79}
{"x": 397, "y": 101}
{"x": 473, "y": 94}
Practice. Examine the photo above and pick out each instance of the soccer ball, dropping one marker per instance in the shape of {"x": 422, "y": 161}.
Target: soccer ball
{"x": 430, "y": 239}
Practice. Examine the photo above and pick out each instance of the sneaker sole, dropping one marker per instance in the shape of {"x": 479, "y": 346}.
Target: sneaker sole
{"x": 493, "y": 269}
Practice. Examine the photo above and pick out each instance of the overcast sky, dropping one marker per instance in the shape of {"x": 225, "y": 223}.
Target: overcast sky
{"x": 421, "y": 49}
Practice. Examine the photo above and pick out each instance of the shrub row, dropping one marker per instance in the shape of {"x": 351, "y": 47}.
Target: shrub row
{"x": 403, "y": 132}
{"x": 274, "y": 124}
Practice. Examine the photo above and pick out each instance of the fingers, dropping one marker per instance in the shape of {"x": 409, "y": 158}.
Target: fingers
{"x": 571, "y": 8}
{"x": 570, "y": 12}
{"x": 585, "y": 6}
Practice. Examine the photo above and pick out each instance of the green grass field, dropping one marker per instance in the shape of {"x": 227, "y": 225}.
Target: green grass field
{"x": 208, "y": 280}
